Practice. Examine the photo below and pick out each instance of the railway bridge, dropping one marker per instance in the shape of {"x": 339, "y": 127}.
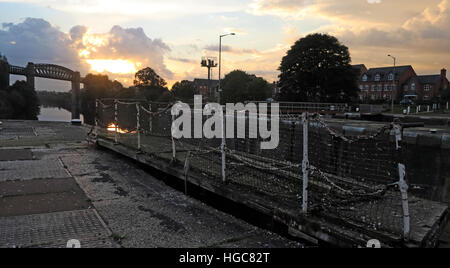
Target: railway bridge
{"x": 49, "y": 71}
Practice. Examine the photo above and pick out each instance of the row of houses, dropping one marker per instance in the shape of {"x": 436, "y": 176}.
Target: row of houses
{"x": 400, "y": 82}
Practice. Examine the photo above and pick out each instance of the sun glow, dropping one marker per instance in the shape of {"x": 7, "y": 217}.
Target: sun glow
{"x": 96, "y": 51}
{"x": 113, "y": 128}
{"x": 119, "y": 66}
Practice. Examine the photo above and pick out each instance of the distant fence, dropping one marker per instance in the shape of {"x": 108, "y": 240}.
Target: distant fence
{"x": 358, "y": 180}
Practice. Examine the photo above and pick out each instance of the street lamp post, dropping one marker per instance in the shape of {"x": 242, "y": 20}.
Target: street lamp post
{"x": 393, "y": 82}
{"x": 220, "y": 65}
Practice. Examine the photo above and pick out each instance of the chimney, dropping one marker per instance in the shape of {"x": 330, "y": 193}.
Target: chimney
{"x": 443, "y": 73}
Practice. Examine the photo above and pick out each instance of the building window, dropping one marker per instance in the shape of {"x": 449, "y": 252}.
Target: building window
{"x": 427, "y": 88}
{"x": 377, "y": 77}
{"x": 385, "y": 87}
{"x": 364, "y": 78}
{"x": 367, "y": 88}
{"x": 413, "y": 86}
{"x": 374, "y": 88}
{"x": 361, "y": 87}
{"x": 405, "y": 88}
{"x": 391, "y": 77}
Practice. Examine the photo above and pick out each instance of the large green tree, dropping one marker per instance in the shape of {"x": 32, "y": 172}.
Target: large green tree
{"x": 317, "y": 69}
{"x": 239, "y": 86}
{"x": 150, "y": 85}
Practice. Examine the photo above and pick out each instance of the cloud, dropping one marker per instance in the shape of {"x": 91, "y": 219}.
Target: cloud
{"x": 38, "y": 41}
{"x": 230, "y": 49}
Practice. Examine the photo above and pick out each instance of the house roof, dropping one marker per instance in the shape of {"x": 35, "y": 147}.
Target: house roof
{"x": 429, "y": 79}
{"x": 205, "y": 82}
{"x": 385, "y": 71}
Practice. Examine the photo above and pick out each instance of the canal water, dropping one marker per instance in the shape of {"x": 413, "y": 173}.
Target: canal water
{"x": 54, "y": 114}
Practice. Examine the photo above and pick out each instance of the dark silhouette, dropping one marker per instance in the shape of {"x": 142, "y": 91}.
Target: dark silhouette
{"x": 184, "y": 91}
{"x": 238, "y": 86}
{"x": 151, "y": 86}
{"x": 19, "y": 101}
{"x": 317, "y": 69}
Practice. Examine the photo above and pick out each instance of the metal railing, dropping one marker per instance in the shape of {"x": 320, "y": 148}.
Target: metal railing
{"x": 354, "y": 179}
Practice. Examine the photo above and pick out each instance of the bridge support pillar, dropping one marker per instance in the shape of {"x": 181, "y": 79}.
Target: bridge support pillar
{"x": 30, "y": 75}
{"x": 76, "y": 98}
{"x": 4, "y": 74}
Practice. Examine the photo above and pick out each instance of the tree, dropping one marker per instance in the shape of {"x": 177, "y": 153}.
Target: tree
{"x": 317, "y": 69}
{"x": 96, "y": 86}
{"x": 184, "y": 90}
{"x": 19, "y": 101}
{"x": 150, "y": 85}
{"x": 238, "y": 86}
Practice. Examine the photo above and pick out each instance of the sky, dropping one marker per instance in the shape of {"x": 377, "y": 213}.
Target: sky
{"x": 118, "y": 38}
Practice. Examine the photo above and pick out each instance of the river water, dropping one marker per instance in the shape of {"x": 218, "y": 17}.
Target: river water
{"x": 54, "y": 114}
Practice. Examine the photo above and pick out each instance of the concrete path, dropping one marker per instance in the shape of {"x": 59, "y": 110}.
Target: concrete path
{"x": 54, "y": 187}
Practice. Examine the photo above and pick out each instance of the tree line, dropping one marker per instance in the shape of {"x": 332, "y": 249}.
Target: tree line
{"x": 316, "y": 69}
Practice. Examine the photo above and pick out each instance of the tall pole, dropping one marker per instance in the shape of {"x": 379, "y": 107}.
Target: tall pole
{"x": 220, "y": 69}
{"x": 393, "y": 82}
{"x": 220, "y": 65}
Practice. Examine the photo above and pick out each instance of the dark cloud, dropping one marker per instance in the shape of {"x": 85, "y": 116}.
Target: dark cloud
{"x": 38, "y": 41}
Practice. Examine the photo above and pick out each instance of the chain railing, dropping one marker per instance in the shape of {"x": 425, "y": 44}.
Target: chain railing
{"x": 315, "y": 169}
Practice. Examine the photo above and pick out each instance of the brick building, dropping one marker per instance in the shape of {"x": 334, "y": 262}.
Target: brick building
{"x": 383, "y": 83}
{"x": 206, "y": 88}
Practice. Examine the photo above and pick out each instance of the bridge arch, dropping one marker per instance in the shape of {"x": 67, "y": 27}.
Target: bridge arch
{"x": 51, "y": 71}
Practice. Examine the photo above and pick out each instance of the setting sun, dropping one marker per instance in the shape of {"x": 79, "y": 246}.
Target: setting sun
{"x": 113, "y": 66}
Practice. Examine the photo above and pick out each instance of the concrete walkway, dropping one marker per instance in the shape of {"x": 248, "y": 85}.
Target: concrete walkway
{"x": 54, "y": 187}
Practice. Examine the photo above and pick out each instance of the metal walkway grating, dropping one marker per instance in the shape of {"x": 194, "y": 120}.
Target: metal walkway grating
{"x": 54, "y": 230}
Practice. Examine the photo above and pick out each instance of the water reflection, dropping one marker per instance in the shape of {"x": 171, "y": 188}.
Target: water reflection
{"x": 54, "y": 114}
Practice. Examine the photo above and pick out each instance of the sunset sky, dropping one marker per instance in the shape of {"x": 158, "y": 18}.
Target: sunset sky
{"x": 120, "y": 37}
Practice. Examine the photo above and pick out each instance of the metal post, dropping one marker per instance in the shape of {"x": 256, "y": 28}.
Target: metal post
{"x": 404, "y": 190}
{"x": 305, "y": 163}
{"x": 222, "y": 148}
{"x": 174, "y": 149}
{"x": 138, "y": 125}
{"x": 447, "y": 105}
{"x": 150, "y": 120}
{"x": 116, "y": 122}
{"x": 402, "y": 184}
{"x": 96, "y": 119}
{"x": 219, "y": 90}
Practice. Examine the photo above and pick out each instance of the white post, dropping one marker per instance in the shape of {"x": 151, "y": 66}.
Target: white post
{"x": 96, "y": 119}
{"x": 404, "y": 190}
{"x": 222, "y": 148}
{"x": 447, "y": 105}
{"x": 138, "y": 125}
{"x": 116, "y": 129}
{"x": 403, "y": 186}
{"x": 174, "y": 149}
{"x": 305, "y": 163}
{"x": 409, "y": 110}
{"x": 428, "y": 108}
{"x": 417, "y": 109}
